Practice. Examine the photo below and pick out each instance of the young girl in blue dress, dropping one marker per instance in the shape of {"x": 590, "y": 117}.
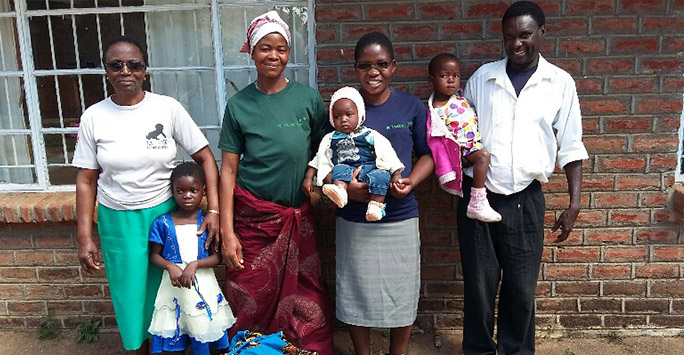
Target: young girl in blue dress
{"x": 190, "y": 309}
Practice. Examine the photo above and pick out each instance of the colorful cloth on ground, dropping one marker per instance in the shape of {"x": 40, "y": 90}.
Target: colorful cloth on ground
{"x": 252, "y": 343}
{"x": 281, "y": 287}
{"x": 274, "y": 134}
{"x": 133, "y": 281}
{"x": 198, "y": 316}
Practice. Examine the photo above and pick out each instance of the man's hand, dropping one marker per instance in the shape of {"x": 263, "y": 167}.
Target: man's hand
{"x": 566, "y": 221}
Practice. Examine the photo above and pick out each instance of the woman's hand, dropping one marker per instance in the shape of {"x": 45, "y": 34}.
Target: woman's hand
{"x": 88, "y": 255}
{"x": 307, "y": 187}
{"x": 211, "y": 225}
{"x": 175, "y": 273}
{"x": 231, "y": 250}
{"x": 187, "y": 279}
{"x": 358, "y": 191}
{"x": 401, "y": 187}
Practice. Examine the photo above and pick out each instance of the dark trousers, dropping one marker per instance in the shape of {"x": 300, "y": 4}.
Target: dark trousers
{"x": 507, "y": 253}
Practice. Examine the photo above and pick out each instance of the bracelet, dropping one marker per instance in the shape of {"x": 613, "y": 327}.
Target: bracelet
{"x": 214, "y": 212}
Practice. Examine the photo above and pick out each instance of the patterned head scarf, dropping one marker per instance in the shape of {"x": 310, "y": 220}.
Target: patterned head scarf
{"x": 262, "y": 26}
{"x": 352, "y": 94}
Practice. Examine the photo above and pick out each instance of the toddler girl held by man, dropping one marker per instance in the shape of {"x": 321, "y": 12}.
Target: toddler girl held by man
{"x": 453, "y": 134}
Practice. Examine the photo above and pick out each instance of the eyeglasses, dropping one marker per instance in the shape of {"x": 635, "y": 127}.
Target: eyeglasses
{"x": 379, "y": 66}
{"x": 133, "y": 65}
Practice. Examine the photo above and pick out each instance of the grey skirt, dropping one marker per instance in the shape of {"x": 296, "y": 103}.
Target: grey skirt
{"x": 378, "y": 273}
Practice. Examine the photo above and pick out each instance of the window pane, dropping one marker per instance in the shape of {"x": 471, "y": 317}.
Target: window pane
{"x": 9, "y": 53}
{"x": 196, "y": 90}
{"x": 235, "y": 20}
{"x": 12, "y": 106}
{"x": 43, "y": 28}
{"x": 16, "y": 163}
{"x": 238, "y": 79}
{"x": 180, "y": 38}
{"x": 60, "y": 147}
{"x": 62, "y": 175}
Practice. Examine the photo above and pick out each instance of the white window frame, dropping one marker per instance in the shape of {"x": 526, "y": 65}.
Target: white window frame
{"x": 29, "y": 73}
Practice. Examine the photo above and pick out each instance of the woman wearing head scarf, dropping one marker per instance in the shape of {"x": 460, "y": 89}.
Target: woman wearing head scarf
{"x": 274, "y": 278}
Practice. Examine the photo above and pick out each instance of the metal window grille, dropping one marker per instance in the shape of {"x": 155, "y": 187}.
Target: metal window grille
{"x": 51, "y": 71}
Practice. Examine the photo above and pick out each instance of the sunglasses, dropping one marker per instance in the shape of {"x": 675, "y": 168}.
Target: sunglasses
{"x": 380, "y": 66}
{"x": 133, "y": 65}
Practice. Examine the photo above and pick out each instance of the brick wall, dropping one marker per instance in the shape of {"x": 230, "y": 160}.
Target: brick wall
{"x": 621, "y": 269}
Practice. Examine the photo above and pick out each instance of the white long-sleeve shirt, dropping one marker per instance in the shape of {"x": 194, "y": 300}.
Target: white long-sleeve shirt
{"x": 526, "y": 134}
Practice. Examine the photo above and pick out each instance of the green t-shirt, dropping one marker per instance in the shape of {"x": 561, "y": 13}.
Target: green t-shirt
{"x": 274, "y": 134}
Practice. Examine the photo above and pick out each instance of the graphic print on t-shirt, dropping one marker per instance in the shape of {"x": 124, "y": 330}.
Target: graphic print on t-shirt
{"x": 154, "y": 141}
{"x": 347, "y": 151}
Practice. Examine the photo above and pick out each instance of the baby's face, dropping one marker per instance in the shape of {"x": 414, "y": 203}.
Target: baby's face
{"x": 345, "y": 116}
{"x": 446, "y": 79}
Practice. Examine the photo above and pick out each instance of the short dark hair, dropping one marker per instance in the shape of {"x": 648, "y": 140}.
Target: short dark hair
{"x": 123, "y": 39}
{"x": 373, "y": 38}
{"x": 522, "y": 8}
{"x": 188, "y": 169}
{"x": 436, "y": 60}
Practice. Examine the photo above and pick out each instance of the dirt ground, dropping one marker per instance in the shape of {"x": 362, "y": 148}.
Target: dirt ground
{"x": 26, "y": 342}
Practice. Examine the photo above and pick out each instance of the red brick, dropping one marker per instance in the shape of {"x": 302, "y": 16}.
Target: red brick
{"x": 6, "y": 258}
{"x": 634, "y": 45}
{"x": 660, "y": 104}
{"x": 439, "y": 272}
{"x": 560, "y": 201}
{"x": 589, "y": 85}
{"x": 352, "y": 32}
{"x": 609, "y": 236}
{"x": 410, "y": 72}
{"x": 575, "y": 237}
{"x": 629, "y": 85}
{"x": 655, "y": 271}
{"x": 620, "y": 321}
{"x": 26, "y": 308}
{"x": 435, "y": 238}
{"x": 610, "y": 65}
{"x": 9, "y": 291}
{"x": 416, "y": 32}
{"x": 436, "y": 256}
{"x": 590, "y": 218}
{"x": 582, "y": 47}
{"x": 328, "y": 75}
{"x": 597, "y": 182}
{"x": 577, "y": 254}
{"x": 447, "y": 321}
{"x": 400, "y": 12}
{"x": 646, "y": 306}
{"x": 602, "y": 105}
{"x": 59, "y": 274}
{"x": 613, "y": 25}
{"x": 591, "y": 7}
{"x": 641, "y": 7}
{"x": 662, "y": 163}
{"x": 615, "y": 199}
{"x": 557, "y": 305}
{"x": 480, "y": 49}
{"x": 669, "y": 288}
{"x": 486, "y": 10}
{"x": 611, "y": 271}
{"x": 433, "y": 11}
{"x": 673, "y": 45}
{"x": 576, "y": 288}
{"x": 602, "y": 305}
{"x": 326, "y": 34}
{"x": 570, "y": 65}
{"x": 671, "y": 84}
{"x": 605, "y": 144}
{"x": 53, "y": 241}
{"x": 432, "y": 305}
{"x": 619, "y": 164}
{"x": 579, "y": 321}
{"x": 653, "y": 199}
{"x": 624, "y": 254}
{"x": 628, "y": 217}
{"x": 65, "y": 307}
{"x": 660, "y": 25}
{"x": 43, "y": 292}
{"x": 34, "y": 257}
{"x": 430, "y": 50}
{"x": 566, "y": 272}
{"x": 660, "y": 236}
{"x": 624, "y": 288}
{"x": 447, "y": 289}
{"x": 668, "y": 253}
{"x": 15, "y": 241}
{"x": 15, "y": 274}
{"x": 667, "y": 124}
{"x": 335, "y": 55}
{"x": 98, "y": 307}
{"x": 661, "y": 65}
{"x": 568, "y": 26}
{"x": 460, "y": 30}
{"x": 83, "y": 291}
{"x": 642, "y": 182}
{"x": 667, "y": 216}
{"x": 670, "y": 321}
{"x": 337, "y": 12}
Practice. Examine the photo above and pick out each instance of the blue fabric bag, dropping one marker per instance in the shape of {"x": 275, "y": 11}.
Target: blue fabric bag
{"x": 252, "y": 343}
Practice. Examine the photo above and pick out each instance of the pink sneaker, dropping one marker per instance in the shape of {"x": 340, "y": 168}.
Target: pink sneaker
{"x": 478, "y": 207}
{"x": 337, "y": 194}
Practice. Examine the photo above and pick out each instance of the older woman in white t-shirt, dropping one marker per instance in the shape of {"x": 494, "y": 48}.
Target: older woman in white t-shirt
{"x": 126, "y": 151}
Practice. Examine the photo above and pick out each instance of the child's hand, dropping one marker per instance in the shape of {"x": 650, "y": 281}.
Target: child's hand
{"x": 307, "y": 187}
{"x": 187, "y": 280}
{"x": 175, "y": 273}
{"x": 401, "y": 187}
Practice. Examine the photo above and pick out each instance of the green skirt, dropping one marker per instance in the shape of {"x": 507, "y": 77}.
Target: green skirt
{"x": 133, "y": 281}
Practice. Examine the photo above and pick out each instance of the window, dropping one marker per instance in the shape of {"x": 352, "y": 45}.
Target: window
{"x": 51, "y": 71}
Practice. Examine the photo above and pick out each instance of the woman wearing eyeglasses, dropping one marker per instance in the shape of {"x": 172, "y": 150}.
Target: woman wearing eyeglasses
{"x": 378, "y": 263}
{"x": 126, "y": 150}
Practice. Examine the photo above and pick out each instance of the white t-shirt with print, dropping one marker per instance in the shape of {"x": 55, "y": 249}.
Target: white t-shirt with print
{"x": 134, "y": 148}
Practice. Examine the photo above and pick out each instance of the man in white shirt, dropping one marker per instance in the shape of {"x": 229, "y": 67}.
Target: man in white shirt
{"x": 529, "y": 118}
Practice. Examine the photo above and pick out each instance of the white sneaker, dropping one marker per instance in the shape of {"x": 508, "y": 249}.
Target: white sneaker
{"x": 375, "y": 211}
{"x": 337, "y": 194}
